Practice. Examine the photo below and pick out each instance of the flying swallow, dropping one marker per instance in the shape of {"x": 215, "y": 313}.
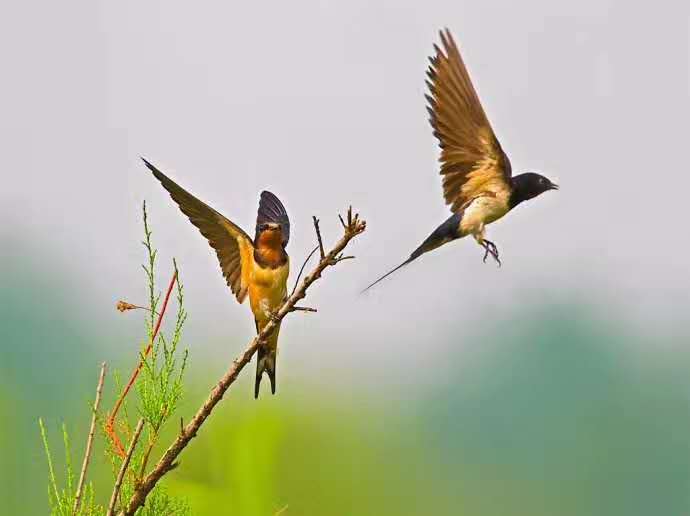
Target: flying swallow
{"x": 478, "y": 184}
{"x": 256, "y": 268}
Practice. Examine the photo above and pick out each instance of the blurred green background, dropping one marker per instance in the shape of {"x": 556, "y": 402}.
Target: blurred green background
{"x": 556, "y": 385}
{"x": 562, "y": 411}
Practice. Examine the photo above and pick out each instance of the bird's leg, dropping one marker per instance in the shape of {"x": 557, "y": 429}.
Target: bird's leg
{"x": 490, "y": 249}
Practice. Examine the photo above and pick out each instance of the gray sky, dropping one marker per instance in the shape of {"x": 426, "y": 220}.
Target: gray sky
{"x": 322, "y": 102}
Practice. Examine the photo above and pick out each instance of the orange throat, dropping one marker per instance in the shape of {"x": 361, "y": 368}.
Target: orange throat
{"x": 269, "y": 250}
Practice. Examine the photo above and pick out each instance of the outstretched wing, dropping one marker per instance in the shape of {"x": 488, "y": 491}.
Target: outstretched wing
{"x": 232, "y": 245}
{"x": 272, "y": 210}
{"x": 472, "y": 161}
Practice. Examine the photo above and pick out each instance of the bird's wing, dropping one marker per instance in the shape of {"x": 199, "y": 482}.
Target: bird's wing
{"x": 233, "y": 246}
{"x": 272, "y": 210}
{"x": 472, "y": 161}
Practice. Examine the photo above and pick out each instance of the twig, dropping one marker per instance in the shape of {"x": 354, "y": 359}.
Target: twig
{"x": 302, "y": 269}
{"x": 153, "y": 437}
{"x": 123, "y": 468}
{"x": 167, "y": 461}
{"x": 89, "y": 441}
{"x": 110, "y": 424}
{"x": 303, "y": 309}
{"x": 318, "y": 235}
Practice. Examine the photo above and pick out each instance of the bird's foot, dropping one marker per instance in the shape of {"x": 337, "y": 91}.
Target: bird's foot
{"x": 273, "y": 316}
{"x": 490, "y": 249}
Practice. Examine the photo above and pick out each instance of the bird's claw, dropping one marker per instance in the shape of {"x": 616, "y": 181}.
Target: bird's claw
{"x": 491, "y": 249}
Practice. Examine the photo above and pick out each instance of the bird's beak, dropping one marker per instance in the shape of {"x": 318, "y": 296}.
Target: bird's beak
{"x": 554, "y": 187}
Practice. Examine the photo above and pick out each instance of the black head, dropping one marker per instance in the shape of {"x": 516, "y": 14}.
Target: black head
{"x": 267, "y": 226}
{"x": 528, "y": 186}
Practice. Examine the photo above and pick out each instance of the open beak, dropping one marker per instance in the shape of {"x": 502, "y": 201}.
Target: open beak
{"x": 554, "y": 187}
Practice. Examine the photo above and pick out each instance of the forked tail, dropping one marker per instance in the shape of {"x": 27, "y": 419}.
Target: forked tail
{"x": 389, "y": 273}
{"x": 266, "y": 361}
{"x": 444, "y": 233}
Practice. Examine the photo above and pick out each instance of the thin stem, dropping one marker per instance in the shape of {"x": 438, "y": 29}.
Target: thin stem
{"x": 89, "y": 441}
{"x": 51, "y": 470}
{"x": 110, "y": 425}
{"x": 318, "y": 235}
{"x": 153, "y": 437}
{"x": 302, "y": 269}
{"x": 68, "y": 460}
{"x": 303, "y": 309}
{"x": 123, "y": 468}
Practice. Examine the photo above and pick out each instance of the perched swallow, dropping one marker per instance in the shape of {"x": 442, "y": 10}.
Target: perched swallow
{"x": 477, "y": 176}
{"x": 258, "y": 268}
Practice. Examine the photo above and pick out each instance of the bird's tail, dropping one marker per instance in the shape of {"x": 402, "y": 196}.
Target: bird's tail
{"x": 266, "y": 362}
{"x": 442, "y": 234}
{"x": 389, "y": 273}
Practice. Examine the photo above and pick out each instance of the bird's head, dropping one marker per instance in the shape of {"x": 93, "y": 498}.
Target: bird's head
{"x": 269, "y": 234}
{"x": 529, "y": 185}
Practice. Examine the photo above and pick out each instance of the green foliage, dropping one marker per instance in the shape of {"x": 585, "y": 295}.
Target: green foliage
{"x": 149, "y": 269}
{"x": 159, "y": 388}
{"x": 62, "y": 500}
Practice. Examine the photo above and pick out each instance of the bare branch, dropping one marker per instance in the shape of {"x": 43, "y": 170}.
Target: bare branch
{"x": 318, "y": 236}
{"x": 354, "y": 227}
{"x": 123, "y": 468}
{"x": 341, "y": 258}
{"x": 89, "y": 441}
{"x": 303, "y": 309}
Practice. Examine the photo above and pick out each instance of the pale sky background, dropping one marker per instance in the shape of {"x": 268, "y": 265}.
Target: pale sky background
{"x": 322, "y": 103}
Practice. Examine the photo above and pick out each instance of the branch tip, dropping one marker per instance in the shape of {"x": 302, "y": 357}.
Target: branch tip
{"x": 303, "y": 309}
{"x": 318, "y": 236}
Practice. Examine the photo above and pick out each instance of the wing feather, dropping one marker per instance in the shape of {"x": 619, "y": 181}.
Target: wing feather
{"x": 472, "y": 160}
{"x": 232, "y": 245}
{"x": 272, "y": 210}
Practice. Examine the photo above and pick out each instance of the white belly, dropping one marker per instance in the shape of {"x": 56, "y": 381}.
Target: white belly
{"x": 482, "y": 211}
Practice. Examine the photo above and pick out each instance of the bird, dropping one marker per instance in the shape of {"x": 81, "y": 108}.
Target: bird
{"x": 256, "y": 268}
{"x": 478, "y": 184}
